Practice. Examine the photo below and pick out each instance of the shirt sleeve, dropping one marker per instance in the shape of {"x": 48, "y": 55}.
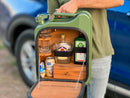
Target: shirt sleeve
{"x": 52, "y": 6}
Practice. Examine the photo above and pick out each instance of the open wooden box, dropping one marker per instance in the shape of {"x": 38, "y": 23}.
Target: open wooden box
{"x": 65, "y": 82}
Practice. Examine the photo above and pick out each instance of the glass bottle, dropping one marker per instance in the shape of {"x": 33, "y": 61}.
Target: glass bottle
{"x": 80, "y": 49}
{"x": 63, "y": 45}
{"x": 63, "y": 51}
{"x": 42, "y": 69}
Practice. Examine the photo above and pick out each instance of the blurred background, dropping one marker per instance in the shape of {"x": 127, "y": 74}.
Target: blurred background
{"x": 17, "y": 53}
{"x": 11, "y": 84}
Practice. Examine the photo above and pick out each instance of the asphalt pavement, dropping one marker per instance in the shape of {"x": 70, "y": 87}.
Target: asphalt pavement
{"x": 11, "y": 83}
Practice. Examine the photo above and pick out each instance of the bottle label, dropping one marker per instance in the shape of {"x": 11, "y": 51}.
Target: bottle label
{"x": 62, "y": 48}
{"x": 80, "y": 43}
{"x": 62, "y": 58}
{"x": 42, "y": 71}
{"x": 80, "y": 57}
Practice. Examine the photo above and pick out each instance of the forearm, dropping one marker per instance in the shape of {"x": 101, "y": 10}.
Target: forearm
{"x": 97, "y": 3}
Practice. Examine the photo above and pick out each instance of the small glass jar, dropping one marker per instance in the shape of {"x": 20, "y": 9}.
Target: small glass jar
{"x": 45, "y": 43}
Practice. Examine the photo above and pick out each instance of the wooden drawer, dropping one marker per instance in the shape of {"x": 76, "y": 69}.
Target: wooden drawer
{"x": 69, "y": 71}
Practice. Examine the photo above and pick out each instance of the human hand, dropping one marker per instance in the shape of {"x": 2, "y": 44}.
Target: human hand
{"x": 69, "y": 7}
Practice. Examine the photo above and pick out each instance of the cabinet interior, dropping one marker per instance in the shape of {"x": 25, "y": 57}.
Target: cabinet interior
{"x": 69, "y": 71}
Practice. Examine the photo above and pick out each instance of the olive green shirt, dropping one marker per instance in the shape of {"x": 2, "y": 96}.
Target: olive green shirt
{"x": 101, "y": 38}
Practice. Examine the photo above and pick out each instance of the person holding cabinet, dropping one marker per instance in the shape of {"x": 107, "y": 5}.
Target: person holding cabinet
{"x": 102, "y": 49}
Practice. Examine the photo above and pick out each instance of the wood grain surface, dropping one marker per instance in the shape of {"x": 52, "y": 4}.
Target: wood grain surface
{"x": 69, "y": 71}
{"x": 55, "y": 89}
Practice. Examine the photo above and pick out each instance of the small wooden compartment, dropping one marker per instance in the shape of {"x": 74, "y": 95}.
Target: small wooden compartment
{"x": 69, "y": 71}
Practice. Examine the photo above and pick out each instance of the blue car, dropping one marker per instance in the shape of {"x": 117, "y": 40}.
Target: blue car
{"x": 17, "y": 26}
{"x": 119, "y": 22}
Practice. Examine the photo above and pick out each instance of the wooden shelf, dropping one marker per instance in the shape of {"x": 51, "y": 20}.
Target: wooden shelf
{"x": 43, "y": 54}
{"x": 46, "y": 77}
{"x": 56, "y": 89}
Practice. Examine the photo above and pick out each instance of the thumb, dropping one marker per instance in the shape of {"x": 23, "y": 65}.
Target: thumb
{"x": 58, "y": 10}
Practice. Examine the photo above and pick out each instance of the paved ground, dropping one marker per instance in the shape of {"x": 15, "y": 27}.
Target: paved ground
{"x": 11, "y": 84}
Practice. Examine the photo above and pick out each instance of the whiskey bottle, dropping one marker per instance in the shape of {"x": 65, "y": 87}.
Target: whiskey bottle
{"x": 63, "y": 51}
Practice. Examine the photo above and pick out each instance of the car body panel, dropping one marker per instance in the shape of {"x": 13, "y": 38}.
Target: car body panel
{"x": 10, "y": 11}
{"x": 119, "y": 23}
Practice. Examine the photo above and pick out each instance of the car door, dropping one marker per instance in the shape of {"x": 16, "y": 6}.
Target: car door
{"x": 119, "y": 22}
